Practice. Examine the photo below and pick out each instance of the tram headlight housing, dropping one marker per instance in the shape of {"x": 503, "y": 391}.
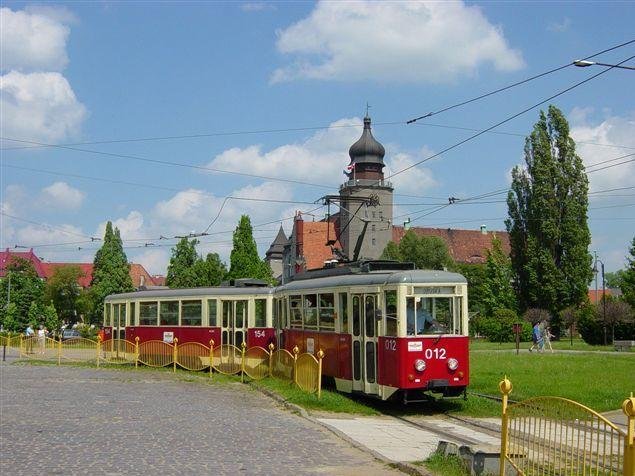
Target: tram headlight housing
{"x": 453, "y": 364}
{"x": 420, "y": 365}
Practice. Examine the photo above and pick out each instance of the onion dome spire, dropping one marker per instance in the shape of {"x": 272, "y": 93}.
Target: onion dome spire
{"x": 367, "y": 149}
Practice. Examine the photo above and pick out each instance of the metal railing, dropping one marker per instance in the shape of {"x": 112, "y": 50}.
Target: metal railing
{"x": 256, "y": 363}
{"x": 554, "y": 436}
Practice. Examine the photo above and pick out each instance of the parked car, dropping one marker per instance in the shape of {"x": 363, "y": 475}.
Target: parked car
{"x": 70, "y": 334}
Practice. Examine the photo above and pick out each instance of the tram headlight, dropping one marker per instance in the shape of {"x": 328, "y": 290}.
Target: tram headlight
{"x": 420, "y": 365}
{"x": 453, "y": 364}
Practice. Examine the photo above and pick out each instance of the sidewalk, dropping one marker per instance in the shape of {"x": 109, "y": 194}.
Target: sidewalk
{"x": 402, "y": 442}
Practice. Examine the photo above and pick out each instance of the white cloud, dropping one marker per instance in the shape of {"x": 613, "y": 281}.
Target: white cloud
{"x": 37, "y": 101}
{"x": 60, "y": 194}
{"x": 132, "y": 226}
{"x": 39, "y": 106}
{"x": 321, "y": 159}
{"x": 393, "y": 41}
{"x": 155, "y": 261}
{"x": 612, "y": 131}
{"x": 33, "y": 39}
{"x": 47, "y": 234}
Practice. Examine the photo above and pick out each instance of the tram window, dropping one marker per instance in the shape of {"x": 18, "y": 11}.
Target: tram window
{"x": 122, "y": 316}
{"x": 133, "y": 314}
{"x": 296, "y": 311}
{"x": 390, "y": 298}
{"x": 370, "y": 362}
{"x": 107, "y": 315}
{"x": 344, "y": 313}
{"x": 370, "y": 316}
{"x": 241, "y": 314}
{"x": 227, "y": 312}
{"x": 112, "y": 313}
{"x": 212, "y": 312}
{"x": 327, "y": 312}
{"x": 191, "y": 313}
{"x": 276, "y": 313}
{"x": 357, "y": 364}
{"x": 261, "y": 313}
{"x": 310, "y": 311}
{"x": 169, "y": 313}
{"x": 356, "y": 316}
{"x": 148, "y": 313}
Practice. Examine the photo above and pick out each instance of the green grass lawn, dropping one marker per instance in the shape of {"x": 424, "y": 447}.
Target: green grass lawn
{"x": 600, "y": 381}
{"x": 565, "y": 344}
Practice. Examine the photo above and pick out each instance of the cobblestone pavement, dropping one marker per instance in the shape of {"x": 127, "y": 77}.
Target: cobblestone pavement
{"x": 71, "y": 420}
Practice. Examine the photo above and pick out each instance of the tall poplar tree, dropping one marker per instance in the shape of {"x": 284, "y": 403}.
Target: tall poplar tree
{"x": 547, "y": 224}
{"x": 111, "y": 272}
{"x": 244, "y": 259}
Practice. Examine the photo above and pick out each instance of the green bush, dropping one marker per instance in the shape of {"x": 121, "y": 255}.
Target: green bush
{"x": 591, "y": 327}
{"x": 500, "y": 327}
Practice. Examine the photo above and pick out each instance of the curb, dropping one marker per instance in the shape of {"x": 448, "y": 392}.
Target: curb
{"x": 401, "y": 466}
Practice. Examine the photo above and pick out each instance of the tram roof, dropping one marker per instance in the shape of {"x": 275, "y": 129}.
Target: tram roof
{"x": 191, "y": 292}
{"x": 416, "y": 276}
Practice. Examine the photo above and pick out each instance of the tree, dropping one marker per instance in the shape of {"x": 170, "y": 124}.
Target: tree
{"x": 111, "y": 272}
{"x": 547, "y": 224}
{"x": 211, "y": 271}
{"x": 475, "y": 275}
{"x": 498, "y": 292}
{"x": 181, "y": 272}
{"x": 426, "y": 252}
{"x": 63, "y": 291}
{"x": 20, "y": 287}
{"x": 244, "y": 259}
{"x": 614, "y": 279}
{"x": 628, "y": 278}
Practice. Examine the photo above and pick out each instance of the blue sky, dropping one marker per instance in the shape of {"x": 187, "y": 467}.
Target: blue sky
{"x": 145, "y": 98}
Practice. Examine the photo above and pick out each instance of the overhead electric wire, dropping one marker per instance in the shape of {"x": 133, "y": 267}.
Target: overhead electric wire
{"x": 518, "y": 83}
{"x": 524, "y": 111}
{"x": 61, "y": 230}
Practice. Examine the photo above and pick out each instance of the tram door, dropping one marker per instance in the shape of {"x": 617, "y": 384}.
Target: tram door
{"x": 365, "y": 342}
{"x": 119, "y": 321}
{"x": 234, "y": 324}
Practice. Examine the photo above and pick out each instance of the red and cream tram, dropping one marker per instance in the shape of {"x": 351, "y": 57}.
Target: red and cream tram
{"x": 227, "y": 314}
{"x": 386, "y": 329}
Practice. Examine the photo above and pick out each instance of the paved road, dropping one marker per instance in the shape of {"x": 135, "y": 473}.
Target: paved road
{"x": 70, "y": 420}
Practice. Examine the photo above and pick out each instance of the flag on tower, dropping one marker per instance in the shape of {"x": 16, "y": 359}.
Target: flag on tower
{"x": 349, "y": 169}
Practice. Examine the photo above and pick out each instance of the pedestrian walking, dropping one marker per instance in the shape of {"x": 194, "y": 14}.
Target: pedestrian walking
{"x": 546, "y": 338}
{"x": 30, "y": 335}
{"x": 536, "y": 337}
{"x": 41, "y": 339}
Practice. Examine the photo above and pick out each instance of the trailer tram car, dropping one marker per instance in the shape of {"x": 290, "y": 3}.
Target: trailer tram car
{"x": 228, "y": 315}
{"x": 387, "y": 329}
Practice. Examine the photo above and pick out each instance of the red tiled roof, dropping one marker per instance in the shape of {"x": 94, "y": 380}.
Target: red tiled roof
{"x": 465, "y": 246}
{"x": 158, "y": 280}
{"x": 6, "y": 256}
{"x": 86, "y": 269}
{"x": 46, "y": 270}
{"x": 313, "y": 241}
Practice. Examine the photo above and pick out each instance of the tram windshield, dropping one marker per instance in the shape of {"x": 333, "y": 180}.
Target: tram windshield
{"x": 430, "y": 315}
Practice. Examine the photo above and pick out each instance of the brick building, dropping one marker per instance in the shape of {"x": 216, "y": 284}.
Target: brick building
{"x": 140, "y": 277}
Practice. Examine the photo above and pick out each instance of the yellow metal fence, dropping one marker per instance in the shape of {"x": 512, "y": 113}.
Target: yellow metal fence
{"x": 557, "y": 436}
{"x": 255, "y": 362}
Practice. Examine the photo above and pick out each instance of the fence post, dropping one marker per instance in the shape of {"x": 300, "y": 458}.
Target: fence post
{"x": 98, "y": 349}
{"x": 296, "y": 351}
{"x": 175, "y": 354}
{"x": 271, "y": 347}
{"x": 21, "y": 345}
{"x": 136, "y": 352}
{"x": 629, "y": 442}
{"x": 243, "y": 346}
{"x": 505, "y": 387}
{"x": 320, "y": 356}
{"x": 59, "y": 352}
{"x": 211, "y": 357}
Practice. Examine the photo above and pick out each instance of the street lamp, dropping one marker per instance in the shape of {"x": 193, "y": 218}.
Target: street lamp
{"x": 595, "y": 270}
{"x": 584, "y": 63}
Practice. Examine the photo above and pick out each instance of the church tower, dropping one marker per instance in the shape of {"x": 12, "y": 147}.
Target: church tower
{"x": 365, "y": 224}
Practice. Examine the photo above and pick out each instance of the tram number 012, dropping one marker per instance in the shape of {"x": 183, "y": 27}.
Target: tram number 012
{"x": 435, "y": 354}
{"x": 390, "y": 344}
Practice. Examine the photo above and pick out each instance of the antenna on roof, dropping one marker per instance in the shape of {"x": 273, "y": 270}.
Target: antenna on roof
{"x": 367, "y": 108}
